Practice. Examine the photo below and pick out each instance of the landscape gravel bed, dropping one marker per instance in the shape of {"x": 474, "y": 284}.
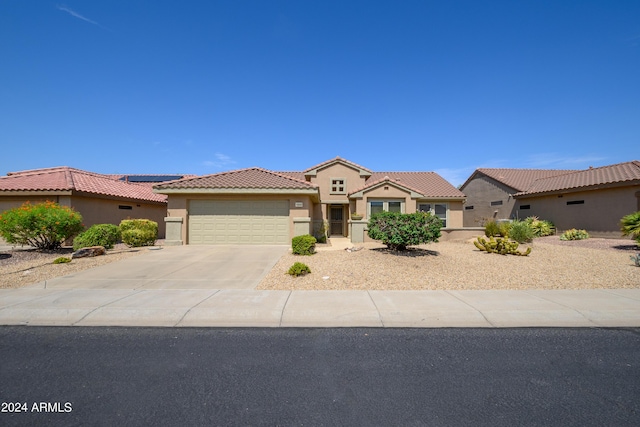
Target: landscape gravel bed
{"x": 22, "y": 267}
{"x": 457, "y": 265}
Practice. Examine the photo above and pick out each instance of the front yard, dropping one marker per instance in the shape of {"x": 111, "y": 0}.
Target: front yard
{"x": 552, "y": 264}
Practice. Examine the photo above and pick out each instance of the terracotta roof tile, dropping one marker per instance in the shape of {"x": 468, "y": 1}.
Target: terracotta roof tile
{"x": 518, "y": 179}
{"x": 69, "y": 179}
{"x": 428, "y": 183}
{"x": 257, "y": 178}
{"x": 621, "y": 172}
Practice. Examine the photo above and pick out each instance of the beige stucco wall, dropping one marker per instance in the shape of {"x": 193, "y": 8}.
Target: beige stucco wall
{"x": 106, "y": 211}
{"x": 600, "y": 214}
{"x": 480, "y": 192}
{"x": 337, "y": 170}
{"x": 178, "y": 205}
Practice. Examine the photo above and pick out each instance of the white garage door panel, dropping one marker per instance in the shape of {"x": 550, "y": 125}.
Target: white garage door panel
{"x": 238, "y": 222}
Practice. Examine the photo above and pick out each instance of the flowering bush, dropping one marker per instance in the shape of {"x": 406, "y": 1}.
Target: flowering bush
{"x": 43, "y": 225}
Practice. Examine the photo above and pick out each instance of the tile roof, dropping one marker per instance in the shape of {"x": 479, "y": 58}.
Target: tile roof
{"x": 65, "y": 178}
{"x": 250, "y": 178}
{"x": 336, "y": 159}
{"x": 621, "y": 172}
{"x": 428, "y": 183}
{"x": 518, "y": 179}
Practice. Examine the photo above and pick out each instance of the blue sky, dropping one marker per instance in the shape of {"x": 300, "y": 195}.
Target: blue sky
{"x": 206, "y": 86}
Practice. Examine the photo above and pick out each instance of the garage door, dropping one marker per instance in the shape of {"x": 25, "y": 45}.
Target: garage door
{"x": 238, "y": 222}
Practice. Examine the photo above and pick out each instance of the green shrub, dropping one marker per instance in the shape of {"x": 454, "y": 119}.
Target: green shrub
{"x": 636, "y": 259}
{"x": 138, "y": 232}
{"x": 398, "y": 230}
{"x": 500, "y": 246}
{"x": 303, "y": 245}
{"x": 299, "y": 269}
{"x": 574, "y": 234}
{"x": 630, "y": 226}
{"x": 504, "y": 227}
{"x": 61, "y": 260}
{"x": 321, "y": 231}
{"x": 105, "y": 235}
{"x": 491, "y": 229}
{"x": 540, "y": 227}
{"x": 43, "y": 225}
{"x": 521, "y": 232}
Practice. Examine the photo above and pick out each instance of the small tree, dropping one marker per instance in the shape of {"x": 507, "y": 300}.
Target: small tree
{"x": 398, "y": 231}
{"x": 43, "y": 225}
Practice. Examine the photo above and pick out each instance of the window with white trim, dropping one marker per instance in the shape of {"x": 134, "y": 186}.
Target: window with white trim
{"x": 338, "y": 186}
{"x": 376, "y": 206}
{"x": 441, "y": 210}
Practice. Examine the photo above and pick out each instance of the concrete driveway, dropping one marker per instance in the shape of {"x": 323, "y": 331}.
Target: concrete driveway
{"x": 179, "y": 267}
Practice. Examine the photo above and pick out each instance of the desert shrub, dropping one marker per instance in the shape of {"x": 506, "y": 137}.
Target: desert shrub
{"x": 491, "y": 229}
{"x": 61, "y": 260}
{"x": 502, "y": 246}
{"x": 504, "y": 227}
{"x": 321, "y": 231}
{"x": 299, "y": 269}
{"x": 105, "y": 235}
{"x": 521, "y": 232}
{"x": 43, "y": 225}
{"x": 574, "y": 234}
{"x": 630, "y": 226}
{"x": 303, "y": 245}
{"x": 540, "y": 227}
{"x": 636, "y": 259}
{"x": 138, "y": 232}
{"x": 398, "y": 230}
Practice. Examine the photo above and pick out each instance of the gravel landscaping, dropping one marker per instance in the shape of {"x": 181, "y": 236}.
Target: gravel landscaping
{"x": 21, "y": 267}
{"x": 552, "y": 264}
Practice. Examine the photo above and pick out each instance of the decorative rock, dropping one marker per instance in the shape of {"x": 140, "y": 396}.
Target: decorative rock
{"x": 353, "y": 249}
{"x": 89, "y": 252}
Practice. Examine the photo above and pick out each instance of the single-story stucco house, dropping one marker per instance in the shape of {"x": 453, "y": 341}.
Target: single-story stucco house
{"x": 593, "y": 199}
{"x": 259, "y": 206}
{"x": 100, "y": 199}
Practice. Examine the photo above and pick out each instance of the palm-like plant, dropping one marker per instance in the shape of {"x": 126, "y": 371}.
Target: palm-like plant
{"x": 630, "y": 226}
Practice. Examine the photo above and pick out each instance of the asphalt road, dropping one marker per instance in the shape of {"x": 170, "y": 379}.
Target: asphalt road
{"x": 319, "y": 377}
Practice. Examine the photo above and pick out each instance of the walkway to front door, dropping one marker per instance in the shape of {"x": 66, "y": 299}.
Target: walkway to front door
{"x": 336, "y": 219}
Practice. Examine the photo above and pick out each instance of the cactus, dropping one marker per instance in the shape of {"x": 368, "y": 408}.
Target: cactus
{"x": 500, "y": 246}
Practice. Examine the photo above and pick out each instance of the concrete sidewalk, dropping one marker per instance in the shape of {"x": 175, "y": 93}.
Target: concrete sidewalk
{"x": 244, "y": 308}
{"x": 215, "y": 286}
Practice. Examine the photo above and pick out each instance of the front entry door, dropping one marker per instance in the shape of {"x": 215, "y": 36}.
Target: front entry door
{"x": 336, "y": 219}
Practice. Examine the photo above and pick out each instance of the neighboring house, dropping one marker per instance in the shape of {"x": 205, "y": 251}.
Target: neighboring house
{"x": 259, "y": 206}
{"x": 100, "y": 199}
{"x": 593, "y": 199}
{"x": 490, "y": 192}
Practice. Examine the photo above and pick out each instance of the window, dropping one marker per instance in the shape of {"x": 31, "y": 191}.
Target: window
{"x": 468, "y": 208}
{"x": 338, "y": 186}
{"x": 125, "y": 207}
{"x": 496, "y": 203}
{"x": 524, "y": 207}
{"x": 438, "y": 209}
{"x": 376, "y": 206}
{"x": 576, "y": 202}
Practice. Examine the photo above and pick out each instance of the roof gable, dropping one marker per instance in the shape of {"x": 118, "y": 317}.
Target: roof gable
{"x": 313, "y": 171}
{"x": 69, "y": 179}
{"x": 386, "y": 181}
{"x": 430, "y": 184}
{"x": 604, "y": 175}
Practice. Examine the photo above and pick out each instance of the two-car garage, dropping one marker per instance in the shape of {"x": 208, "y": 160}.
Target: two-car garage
{"x": 231, "y": 222}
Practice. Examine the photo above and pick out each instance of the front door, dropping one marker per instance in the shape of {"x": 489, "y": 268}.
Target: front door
{"x": 336, "y": 219}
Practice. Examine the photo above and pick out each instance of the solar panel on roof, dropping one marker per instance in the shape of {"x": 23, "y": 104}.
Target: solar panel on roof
{"x": 150, "y": 178}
